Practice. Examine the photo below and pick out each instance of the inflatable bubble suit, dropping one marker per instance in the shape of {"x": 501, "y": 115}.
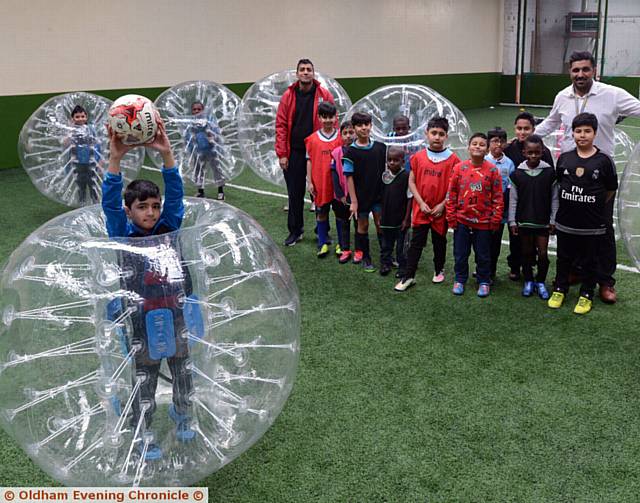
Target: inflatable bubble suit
{"x": 622, "y": 149}
{"x": 257, "y": 120}
{"x": 629, "y": 206}
{"x": 206, "y": 144}
{"x": 66, "y": 162}
{"x": 86, "y": 322}
{"x": 419, "y": 104}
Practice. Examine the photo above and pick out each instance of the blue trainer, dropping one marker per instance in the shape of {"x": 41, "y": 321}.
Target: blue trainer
{"x": 184, "y": 433}
{"x": 483, "y": 290}
{"x": 154, "y": 452}
{"x": 543, "y": 293}
{"x": 458, "y": 288}
{"x": 527, "y": 289}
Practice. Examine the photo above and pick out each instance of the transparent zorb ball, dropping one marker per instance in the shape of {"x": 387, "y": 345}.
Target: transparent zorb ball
{"x": 206, "y": 145}
{"x": 418, "y": 103}
{"x": 209, "y": 313}
{"x": 67, "y": 162}
{"x": 622, "y": 146}
{"x": 622, "y": 149}
{"x": 629, "y": 206}
{"x": 257, "y": 119}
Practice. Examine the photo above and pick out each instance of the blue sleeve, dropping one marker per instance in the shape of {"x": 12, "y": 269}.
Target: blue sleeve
{"x": 114, "y": 213}
{"x": 173, "y": 208}
{"x": 347, "y": 166}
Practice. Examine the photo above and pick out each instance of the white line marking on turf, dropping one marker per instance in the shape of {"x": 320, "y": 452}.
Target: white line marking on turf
{"x": 622, "y": 267}
{"x": 258, "y": 191}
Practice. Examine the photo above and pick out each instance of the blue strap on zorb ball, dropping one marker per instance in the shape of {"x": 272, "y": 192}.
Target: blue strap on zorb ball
{"x": 193, "y": 320}
{"x": 114, "y": 310}
{"x": 160, "y": 333}
{"x": 202, "y": 141}
{"x": 83, "y": 154}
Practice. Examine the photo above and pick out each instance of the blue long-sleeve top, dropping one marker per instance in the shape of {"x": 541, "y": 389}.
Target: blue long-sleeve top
{"x": 118, "y": 225}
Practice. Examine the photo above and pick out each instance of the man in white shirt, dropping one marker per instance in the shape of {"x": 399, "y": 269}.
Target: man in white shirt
{"x": 607, "y": 103}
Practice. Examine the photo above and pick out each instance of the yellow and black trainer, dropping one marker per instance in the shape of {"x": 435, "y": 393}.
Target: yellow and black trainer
{"x": 556, "y": 300}
{"x": 583, "y": 306}
{"x": 323, "y": 251}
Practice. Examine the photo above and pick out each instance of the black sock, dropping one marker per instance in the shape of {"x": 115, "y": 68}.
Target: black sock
{"x": 364, "y": 239}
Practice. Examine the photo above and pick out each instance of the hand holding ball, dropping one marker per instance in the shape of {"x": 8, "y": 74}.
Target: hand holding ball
{"x": 133, "y": 119}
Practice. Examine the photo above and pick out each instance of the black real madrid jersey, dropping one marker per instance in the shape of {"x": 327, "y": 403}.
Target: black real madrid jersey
{"x": 583, "y": 184}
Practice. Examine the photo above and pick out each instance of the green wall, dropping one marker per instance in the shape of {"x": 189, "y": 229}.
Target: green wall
{"x": 465, "y": 90}
{"x": 541, "y": 89}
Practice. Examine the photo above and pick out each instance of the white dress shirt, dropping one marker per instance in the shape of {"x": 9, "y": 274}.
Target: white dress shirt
{"x": 606, "y": 102}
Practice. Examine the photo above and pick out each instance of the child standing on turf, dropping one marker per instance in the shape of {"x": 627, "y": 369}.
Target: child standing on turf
{"x": 533, "y": 202}
{"x": 431, "y": 170}
{"x": 474, "y": 208}
{"x": 524, "y": 125}
{"x": 363, "y": 164}
{"x": 158, "y": 320}
{"x": 86, "y": 156}
{"x": 402, "y": 128}
{"x": 341, "y": 193}
{"x": 497, "y": 141}
{"x": 587, "y": 180}
{"x": 395, "y": 211}
{"x": 203, "y": 142}
{"x": 319, "y": 146}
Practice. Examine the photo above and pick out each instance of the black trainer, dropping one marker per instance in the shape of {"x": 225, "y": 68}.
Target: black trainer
{"x": 292, "y": 239}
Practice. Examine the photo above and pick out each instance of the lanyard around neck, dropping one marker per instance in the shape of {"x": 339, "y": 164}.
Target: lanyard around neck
{"x": 579, "y": 109}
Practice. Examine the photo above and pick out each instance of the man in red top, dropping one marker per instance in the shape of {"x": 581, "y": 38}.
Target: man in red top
{"x": 429, "y": 181}
{"x": 474, "y": 208}
{"x": 296, "y": 119}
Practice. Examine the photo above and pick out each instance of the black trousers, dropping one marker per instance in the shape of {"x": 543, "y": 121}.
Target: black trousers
{"x": 533, "y": 254}
{"x": 86, "y": 181}
{"x": 572, "y": 248}
{"x": 182, "y": 388}
{"x": 393, "y": 239}
{"x": 418, "y": 242}
{"x": 606, "y": 252}
{"x": 296, "y": 178}
{"x": 148, "y": 369}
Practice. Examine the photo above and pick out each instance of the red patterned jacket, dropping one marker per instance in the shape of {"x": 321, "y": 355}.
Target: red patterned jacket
{"x": 475, "y": 196}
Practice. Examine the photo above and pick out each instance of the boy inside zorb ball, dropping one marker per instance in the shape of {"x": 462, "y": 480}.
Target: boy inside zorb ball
{"x": 158, "y": 288}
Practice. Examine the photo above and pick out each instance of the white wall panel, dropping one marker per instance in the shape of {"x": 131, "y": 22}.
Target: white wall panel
{"x": 62, "y": 45}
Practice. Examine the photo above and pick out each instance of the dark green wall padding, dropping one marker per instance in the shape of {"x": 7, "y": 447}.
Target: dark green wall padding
{"x": 470, "y": 90}
{"x": 541, "y": 89}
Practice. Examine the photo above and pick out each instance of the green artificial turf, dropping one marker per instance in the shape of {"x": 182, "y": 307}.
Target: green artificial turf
{"x": 422, "y": 396}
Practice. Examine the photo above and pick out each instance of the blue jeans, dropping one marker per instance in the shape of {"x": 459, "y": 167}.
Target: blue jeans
{"x": 463, "y": 239}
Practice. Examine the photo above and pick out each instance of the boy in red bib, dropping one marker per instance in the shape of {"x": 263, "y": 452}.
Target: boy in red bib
{"x": 429, "y": 181}
{"x": 319, "y": 146}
